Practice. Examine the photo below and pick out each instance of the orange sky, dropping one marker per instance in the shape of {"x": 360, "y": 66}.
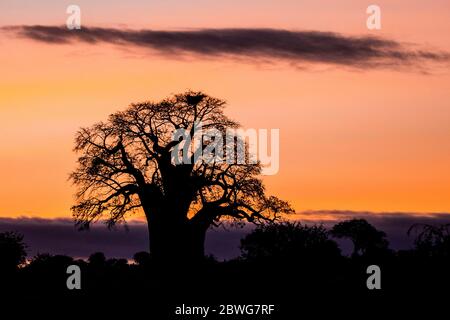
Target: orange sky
{"x": 375, "y": 140}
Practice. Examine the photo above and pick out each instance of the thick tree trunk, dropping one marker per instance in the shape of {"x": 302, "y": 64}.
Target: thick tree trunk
{"x": 176, "y": 241}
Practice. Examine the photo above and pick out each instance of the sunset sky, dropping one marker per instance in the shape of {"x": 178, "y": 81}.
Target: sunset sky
{"x": 361, "y": 138}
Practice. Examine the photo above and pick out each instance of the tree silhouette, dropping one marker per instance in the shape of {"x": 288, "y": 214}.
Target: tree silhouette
{"x": 12, "y": 251}
{"x": 97, "y": 259}
{"x": 365, "y": 237}
{"x": 126, "y": 164}
{"x": 47, "y": 272}
{"x": 288, "y": 241}
{"x": 432, "y": 240}
{"x": 142, "y": 258}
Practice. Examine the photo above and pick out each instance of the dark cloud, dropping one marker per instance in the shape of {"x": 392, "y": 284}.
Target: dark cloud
{"x": 298, "y": 47}
{"x": 59, "y": 236}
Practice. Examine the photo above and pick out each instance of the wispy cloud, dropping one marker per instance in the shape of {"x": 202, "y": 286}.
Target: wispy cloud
{"x": 298, "y": 47}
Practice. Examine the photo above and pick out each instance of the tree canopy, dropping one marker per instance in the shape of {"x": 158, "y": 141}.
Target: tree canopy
{"x": 365, "y": 237}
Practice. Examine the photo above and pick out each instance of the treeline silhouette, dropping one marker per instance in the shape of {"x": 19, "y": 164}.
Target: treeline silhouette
{"x": 279, "y": 262}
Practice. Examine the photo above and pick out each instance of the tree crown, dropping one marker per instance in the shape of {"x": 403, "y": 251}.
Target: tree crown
{"x": 126, "y": 164}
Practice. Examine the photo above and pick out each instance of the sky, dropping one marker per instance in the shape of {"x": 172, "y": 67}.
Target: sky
{"x": 354, "y": 135}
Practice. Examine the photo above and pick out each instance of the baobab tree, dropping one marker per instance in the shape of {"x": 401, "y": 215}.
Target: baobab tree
{"x": 126, "y": 165}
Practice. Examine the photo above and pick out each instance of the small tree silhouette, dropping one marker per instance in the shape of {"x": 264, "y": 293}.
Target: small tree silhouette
{"x": 142, "y": 258}
{"x": 432, "y": 240}
{"x": 97, "y": 259}
{"x": 12, "y": 251}
{"x": 366, "y": 238}
{"x": 288, "y": 241}
{"x": 126, "y": 164}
